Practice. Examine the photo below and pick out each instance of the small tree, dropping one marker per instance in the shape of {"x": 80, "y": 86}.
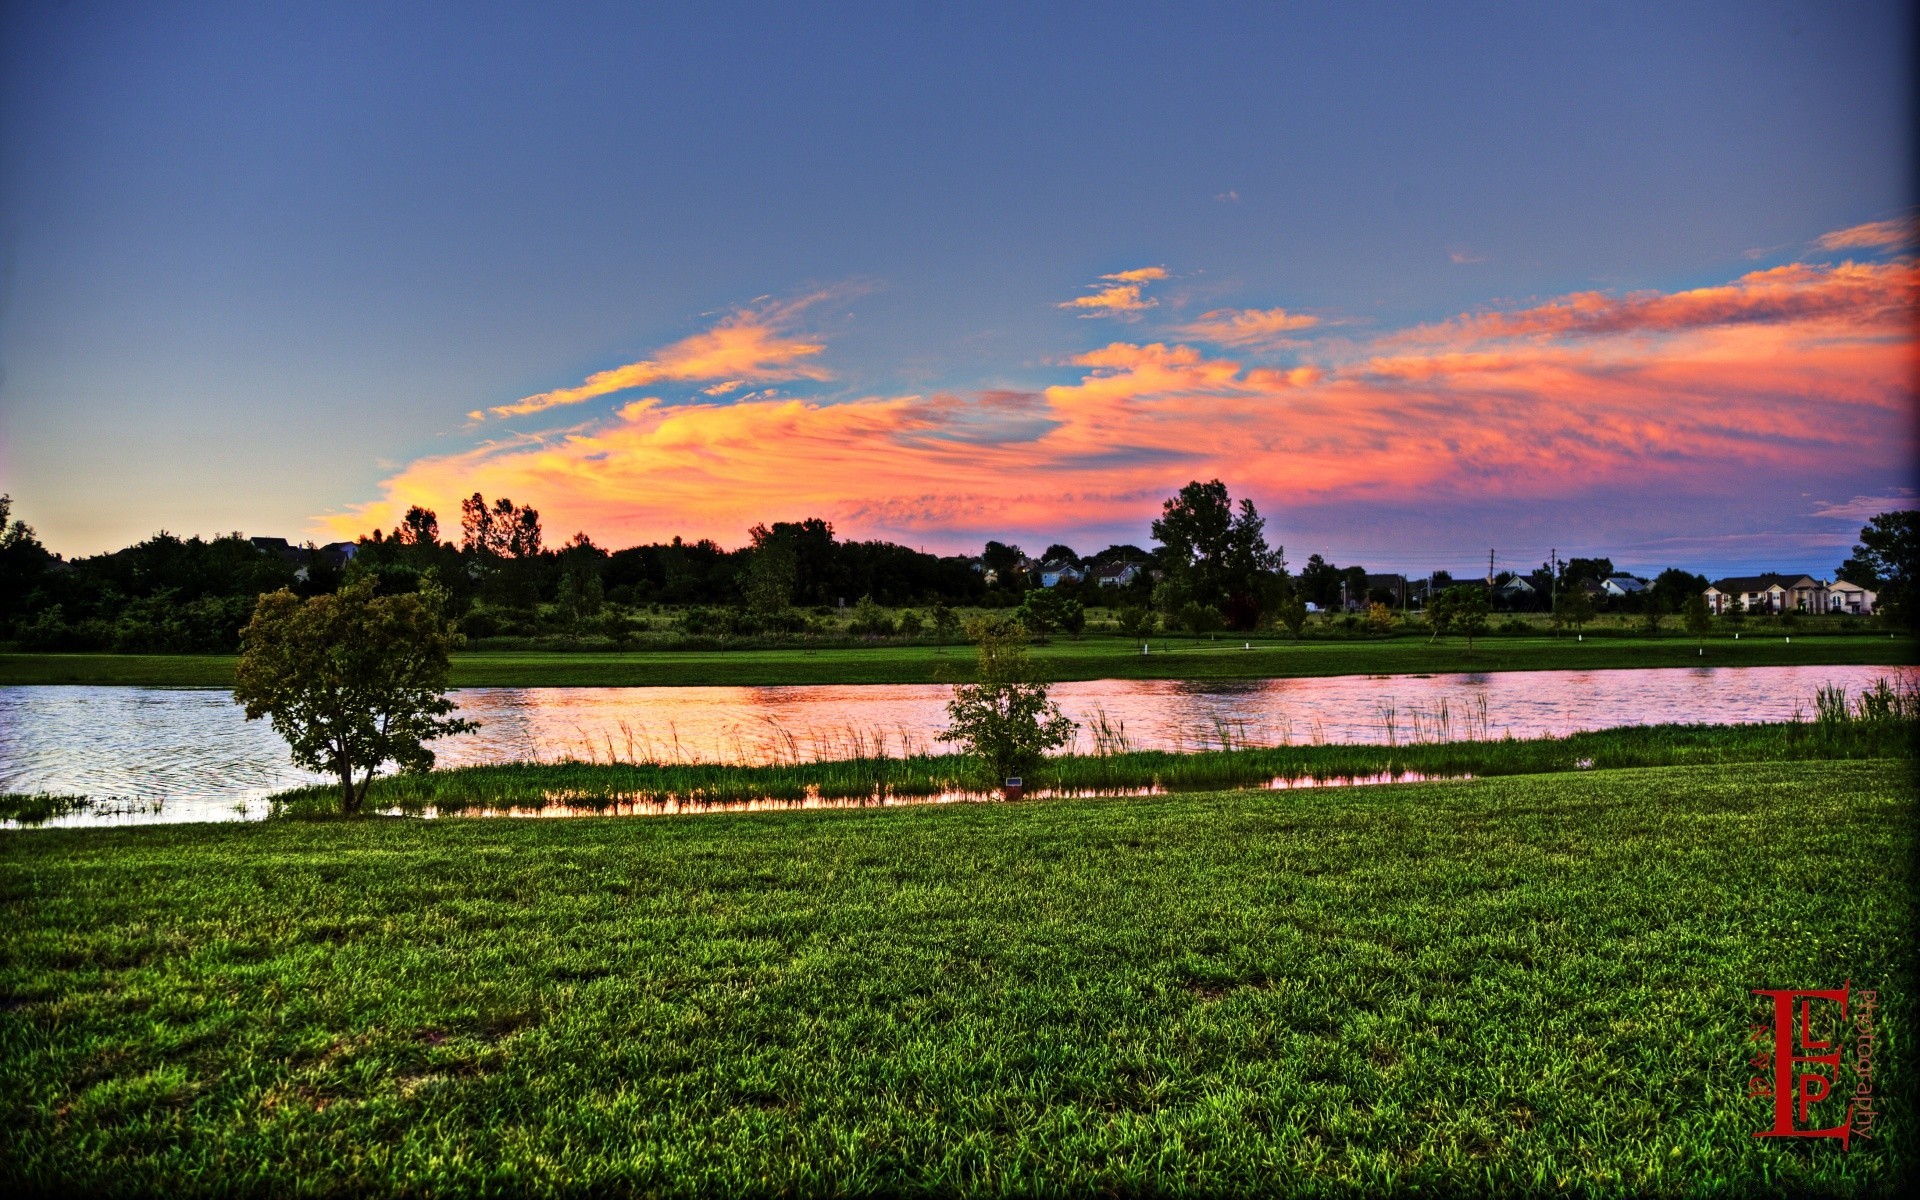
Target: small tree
{"x": 1291, "y": 613}
{"x": 1575, "y": 607}
{"x": 1698, "y": 616}
{"x": 1197, "y": 618}
{"x": 351, "y": 681}
{"x": 1138, "y": 622}
{"x": 1044, "y": 610}
{"x": 1380, "y": 618}
{"x": 1471, "y": 606}
{"x": 946, "y": 623}
{"x": 870, "y": 620}
{"x": 1004, "y": 719}
{"x": 1651, "y": 615}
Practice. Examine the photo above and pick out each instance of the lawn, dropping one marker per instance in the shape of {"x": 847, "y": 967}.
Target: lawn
{"x": 1523, "y": 984}
{"x": 1061, "y": 659}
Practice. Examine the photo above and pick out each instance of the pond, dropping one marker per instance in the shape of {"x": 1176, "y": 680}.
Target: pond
{"x": 192, "y": 751}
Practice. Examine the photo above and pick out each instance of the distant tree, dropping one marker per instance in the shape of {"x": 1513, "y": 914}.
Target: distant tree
{"x": 1044, "y": 610}
{"x": 1574, "y": 570}
{"x": 946, "y": 623}
{"x": 1652, "y": 612}
{"x": 1734, "y": 614}
{"x": 502, "y": 531}
{"x": 1004, "y": 720}
{"x": 23, "y": 561}
{"x": 1575, "y": 607}
{"x": 1061, "y": 553}
{"x": 1673, "y": 587}
{"x": 1380, "y": 618}
{"x": 1137, "y": 621}
{"x": 1198, "y": 619}
{"x": 911, "y": 623}
{"x": 1320, "y": 582}
{"x": 1471, "y": 606}
{"x": 1698, "y": 616}
{"x": 1217, "y": 556}
{"x": 581, "y": 594}
{"x": 870, "y": 620}
{"x": 351, "y": 680}
{"x": 1291, "y": 613}
{"x": 773, "y": 569}
{"x": 420, "y": 527}
{"x": 1887, "y": 559}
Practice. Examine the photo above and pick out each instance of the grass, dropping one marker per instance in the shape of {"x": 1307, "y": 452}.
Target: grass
{"x": 610, "y": 786}
{"x": 1061, "y": 659}
{"x": 1506, "y": 986}
{"x": 31, "y": 808}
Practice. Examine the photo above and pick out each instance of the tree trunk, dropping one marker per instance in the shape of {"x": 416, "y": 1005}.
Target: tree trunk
{"x": 349, "y": 801}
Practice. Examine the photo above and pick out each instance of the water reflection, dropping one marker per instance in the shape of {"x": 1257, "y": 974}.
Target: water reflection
{"x": 193, "y": 749}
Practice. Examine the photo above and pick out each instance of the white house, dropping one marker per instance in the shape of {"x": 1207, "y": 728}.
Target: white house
{"x": 1769, "y": 593}
{"x": 1844, "y": 597}
{"x": 1622, "y": 585}
{"x": 1118, "y": 575}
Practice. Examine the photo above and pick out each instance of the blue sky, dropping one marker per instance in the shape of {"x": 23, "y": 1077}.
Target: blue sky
{"x": 261, "y": 261}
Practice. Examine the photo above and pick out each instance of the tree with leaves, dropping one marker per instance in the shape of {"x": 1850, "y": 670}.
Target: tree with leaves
{"x": 1698, "y": 616}
{"x": 1887, "y": 559}
{"x": 773, "y": 569}
{"x": 1005, "y": 719}
{"x": 1291, "y": 613}
{"x": 1216, "y": 555}
{"x": 946, "y": 623}
{"x": 351, "y": 681}
{"x": 1044, "y": 610}
{"x": 1575, "y": 607}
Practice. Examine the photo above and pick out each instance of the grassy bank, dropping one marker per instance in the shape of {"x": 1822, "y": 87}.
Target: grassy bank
{"x": 607, "y": 786}
{"x": 1062, "y": 659}
{"x": 1511, "y": 985}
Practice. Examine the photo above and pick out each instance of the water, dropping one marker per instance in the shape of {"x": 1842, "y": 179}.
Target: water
{"x": 193, "y": 751}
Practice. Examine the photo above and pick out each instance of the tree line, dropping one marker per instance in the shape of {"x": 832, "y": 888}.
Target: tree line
{"x": 1211, "y": 567}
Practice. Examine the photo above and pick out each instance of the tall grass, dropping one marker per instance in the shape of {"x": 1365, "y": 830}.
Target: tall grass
{"x": 874, "y": 773}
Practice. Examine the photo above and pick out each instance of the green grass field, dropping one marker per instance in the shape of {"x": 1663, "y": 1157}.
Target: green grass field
{"x": 1517, "y": 985}
{"x": 1061, "y": 659}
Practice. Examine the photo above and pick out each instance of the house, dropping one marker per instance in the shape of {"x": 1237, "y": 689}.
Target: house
{"x": 1844, "y": 597}
{"x": 1516, "y": 592}
{"x": 1618, "y": 586}
{"x": 1054, "y": 572}
{"x": 1117, "y": 574}
{"x": 1393, "y": 585}
{"x": 1768, "y": 593}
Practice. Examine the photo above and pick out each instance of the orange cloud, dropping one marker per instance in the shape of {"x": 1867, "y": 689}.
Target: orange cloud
{"x": 1874, "y": 235}
{"x": 1138, "y": 275}
{"x": 1801, "y": 369}
{"x": 1852, "y": 293}
{"x": 1246, "y": 326}
{"x": 1121, "y": 298}
{"x": 747, "y": 346}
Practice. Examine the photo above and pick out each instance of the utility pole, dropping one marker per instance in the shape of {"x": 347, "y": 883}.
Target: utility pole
{"x": 1489, "y": 568}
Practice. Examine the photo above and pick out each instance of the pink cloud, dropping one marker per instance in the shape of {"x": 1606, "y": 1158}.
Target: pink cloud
{"x": 1245, "y": 326}
{"x": 1874, "y": 235}
{"x": 749, "y": 345}
{"x": 1798, "y": 369}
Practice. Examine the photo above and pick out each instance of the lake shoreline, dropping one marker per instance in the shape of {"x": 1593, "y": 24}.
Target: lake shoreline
{"x": 1063, "y": 660}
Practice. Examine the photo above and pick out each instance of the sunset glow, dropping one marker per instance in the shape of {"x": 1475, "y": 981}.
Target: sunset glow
{"x": 1802, "y": 368}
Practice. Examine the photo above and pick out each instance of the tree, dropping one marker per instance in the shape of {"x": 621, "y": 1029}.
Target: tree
{"x": 1292, "y": 614}
{"x": 1698, "y": 615}
{"x": 1651, "y": 614}
{"x": 1061, "y": 553}
{"x": 1470, "y": 606}
{"x": 351, "y": 681}
{"x": 946, "y": 623}
{"x": 420, "y": 527}
{"x": 1004, "y": 719}
{"x": 1197, "y": 618}
{"x": 1575, "y": 607}
{"x": 1673, "y": 587}
{"x": 1887, "y": 559}
{"x": 1138, "y": 622}
{"x": 870, "y": 620}
{"x": 1215, "y": 555}
{"x": 23, "y": 561}
{"x": 773, "y": 569}
{"x": 1042, "y": 611}
{"x": 1380, "y": 618}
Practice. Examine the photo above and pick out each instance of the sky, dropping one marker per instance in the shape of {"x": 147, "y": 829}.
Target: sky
{"x": 1424, "y": 282}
